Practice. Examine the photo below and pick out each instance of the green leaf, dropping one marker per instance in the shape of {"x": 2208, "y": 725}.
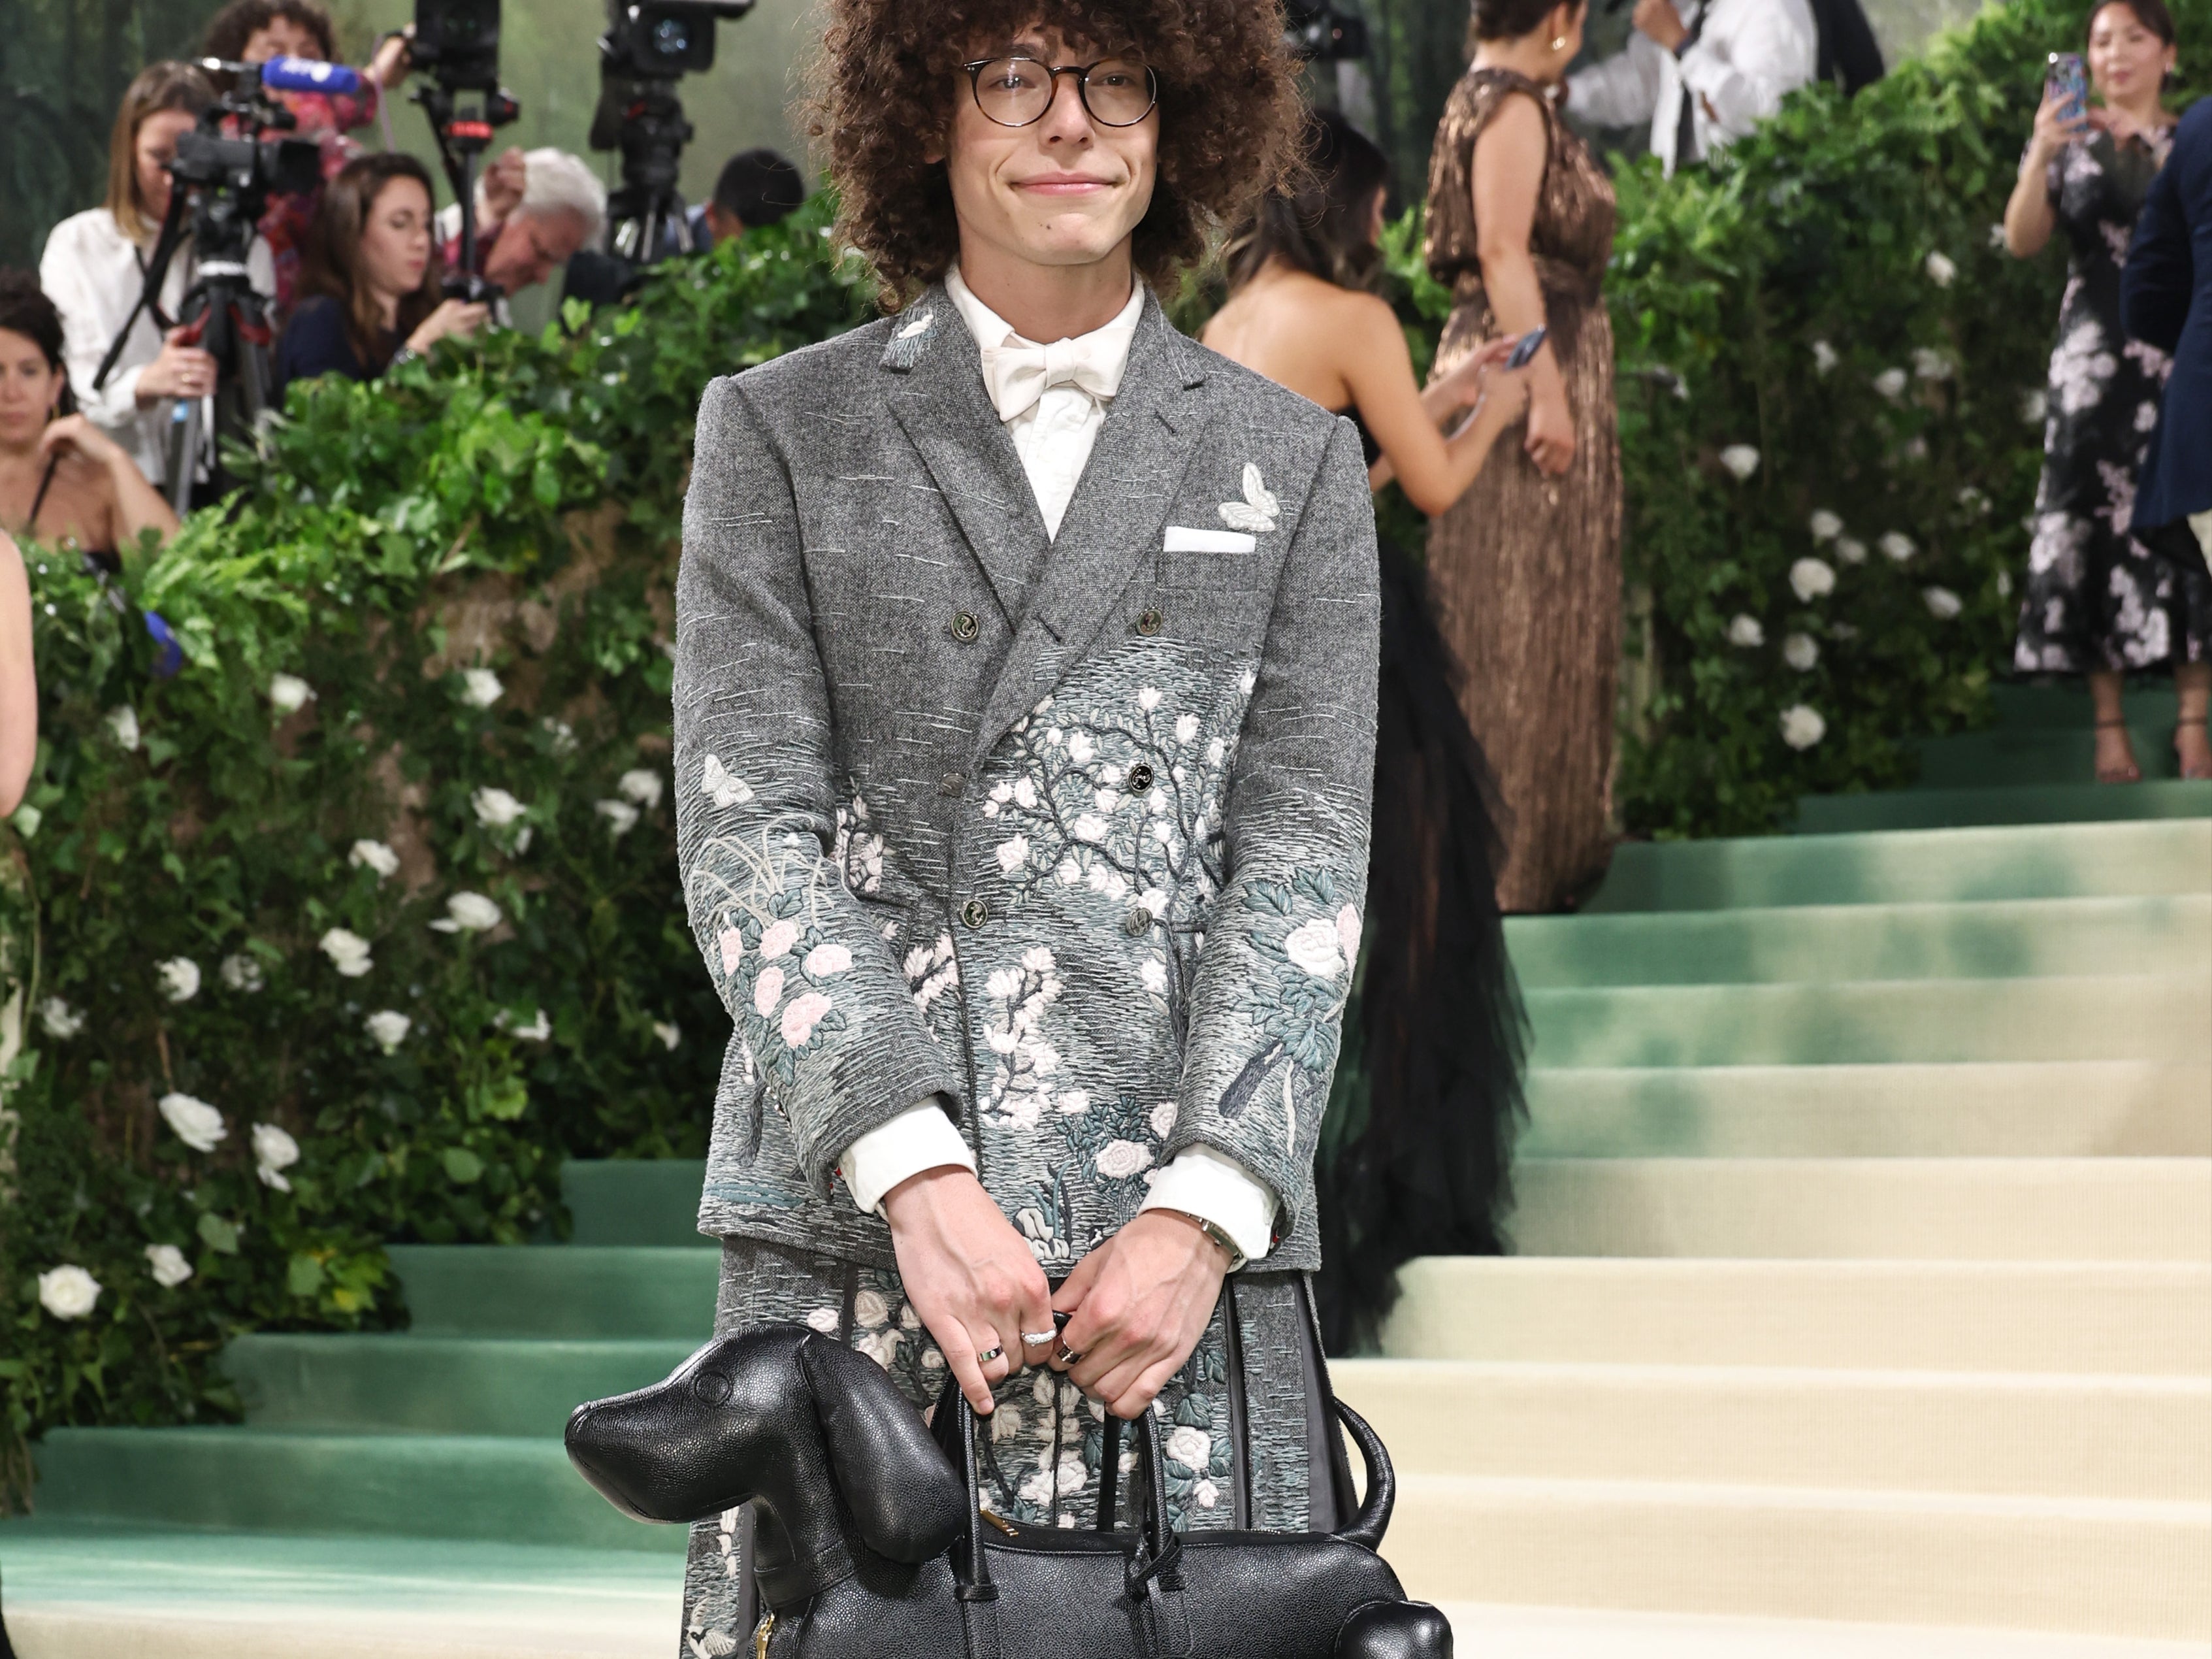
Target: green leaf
{"x": 218, "y": 1234}
{"x": 462, "y": 1166}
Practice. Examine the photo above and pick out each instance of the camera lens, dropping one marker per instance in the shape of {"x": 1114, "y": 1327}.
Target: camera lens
{"x": 671, "y": 39}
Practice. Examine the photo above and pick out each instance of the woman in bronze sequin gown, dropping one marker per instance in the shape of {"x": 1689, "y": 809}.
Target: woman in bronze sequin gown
{"x": 1526, "y": 568}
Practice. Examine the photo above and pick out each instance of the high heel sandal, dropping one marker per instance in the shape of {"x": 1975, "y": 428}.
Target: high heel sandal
{"x": 2130, "y": 774}
{"x": 2197, "y": 773}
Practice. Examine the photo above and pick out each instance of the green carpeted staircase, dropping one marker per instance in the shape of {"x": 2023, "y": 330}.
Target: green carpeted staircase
{"x": 1865, "y": 1275}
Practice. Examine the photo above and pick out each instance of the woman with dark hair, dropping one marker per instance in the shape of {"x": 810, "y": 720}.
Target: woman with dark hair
{"x": 370, "y": 289}
{"x": 62, "y": 479}
{"x": 1525, "y": 566}
{"x": 1416, "y": 1150}
{"x": 2098, "y": 602}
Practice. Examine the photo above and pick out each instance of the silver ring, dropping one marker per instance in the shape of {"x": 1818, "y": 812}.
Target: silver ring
{"x": 989, "y": 1354}
{"x": 1037, "y": 1338}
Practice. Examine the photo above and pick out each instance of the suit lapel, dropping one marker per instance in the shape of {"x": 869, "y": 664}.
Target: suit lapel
{"x": 938, "y": 398}
{"x": 1119, "y": 508}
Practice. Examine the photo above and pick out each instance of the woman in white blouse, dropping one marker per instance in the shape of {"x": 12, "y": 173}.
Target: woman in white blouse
{"x": 95, "y": 265}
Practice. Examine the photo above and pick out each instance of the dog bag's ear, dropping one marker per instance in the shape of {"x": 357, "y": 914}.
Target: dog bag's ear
{"x": 904, "y": 1497}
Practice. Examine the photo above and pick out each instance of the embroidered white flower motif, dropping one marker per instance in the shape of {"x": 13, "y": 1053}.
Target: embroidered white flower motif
{"x": 168, "y": 1264}
{"x": 1826, "y": 525}
{"x": 1163, "y": 1118}
{"x": 274, "y": 1151}
{"x": 193, "y": 1121}
{"x": 725, "y": 788}
{"x": 373, "y": 855}
{"x": 1348, "y": 928}
{"x": 1802, "y": 727}
{"x": 1191, "y": 1446}
{"x": 1152, "y": 974}
{"x": 60, "y": 1019}
{"x": 1741, "y": 460}
{"x": 1940, "y": 270}
{"x": 824, "y": 1320}
{"x": 1012, "y": 854}
{"x": 1089, "y": 827}
{"x": 1810, "y": 578}
{"x": 642, "y": 786}
{"x": 666, "y": 1030}
{"x": 480, "y": 688}
{"x": 1148, "y": 698}
{"x": 389, "y": 1028}
{"x": 180, "y": 979}
{"x": 240, "y": 972}
{"x": 919, "y": 326}
{"x": 1824, "y": 357}
{"x": 347, "y": 950}
{"x": 68, "y": 1292}
{"x": 800, "y": 1018}
{"x": 824, "y": 960}
{"x": 1118, "y": 1160}
{"x": 288, "y": 694}
{"x": 870, "y": 1311}
{"x": 1745, "y": 630}
{"x": 468, "y": 913}
{"x": 768, "y": 991}
{"x": 1942, "y": 604}
{"x": 1312, "y": 946}
{"x": 122, "y": 723}
{"x": 1801, "y": 652}
{"x": 1258, "y": 510}
{"x": 1851, "y": 549}
{"x": 1898, "y": 547}
{"x": 620, "y": 816}
{"x": 778, "y": 936}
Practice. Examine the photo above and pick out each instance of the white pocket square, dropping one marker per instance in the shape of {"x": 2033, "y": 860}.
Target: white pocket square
{"x": 1182, "y": 538}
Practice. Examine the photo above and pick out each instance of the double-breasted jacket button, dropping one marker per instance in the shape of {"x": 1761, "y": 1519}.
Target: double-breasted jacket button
{"x": 975, "y": 913}
{"x": 964, "y": 625}
{"x": 1149, "y": 620}
{"x": 952, "y": 784}
{"x": 1137, "y": 922}
{"x": 1140, "y": 778}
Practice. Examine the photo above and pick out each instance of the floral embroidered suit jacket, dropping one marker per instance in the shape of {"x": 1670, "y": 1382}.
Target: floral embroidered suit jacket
{"x": 1071, "y": 833}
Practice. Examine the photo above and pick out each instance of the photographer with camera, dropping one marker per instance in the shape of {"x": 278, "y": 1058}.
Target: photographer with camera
{"x": 94, "y": 269}
{"x": 370, "y": 293}
{"x": 535, "y": 209}
{"x": 755, "y": 187}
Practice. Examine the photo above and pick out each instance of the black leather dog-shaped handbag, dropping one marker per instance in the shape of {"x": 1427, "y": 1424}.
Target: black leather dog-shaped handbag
{"x": 871, "y": 1542}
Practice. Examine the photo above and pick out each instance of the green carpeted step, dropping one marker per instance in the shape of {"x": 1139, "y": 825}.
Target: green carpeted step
{"x": 436, "y": 1384}
{"x": 2110, "y": 1016}
{"x": 442, "y": 1486}
{"x": 2009, "y": 757}
{"x": 2023, "y": 804}
{"x": 2048, "y": 1109}
{"x": 2068, "y": 705}
{"x": 567, "y": 1291}
{"x": 636, "y": 1201}
{"x": 1995, "y": 939}
{"x": 1916, "y": 866}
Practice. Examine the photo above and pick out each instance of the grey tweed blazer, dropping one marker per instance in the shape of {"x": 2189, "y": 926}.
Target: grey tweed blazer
{"x": 1072, "y": 834}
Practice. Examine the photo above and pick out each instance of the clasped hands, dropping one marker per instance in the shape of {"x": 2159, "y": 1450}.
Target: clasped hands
{"x": 1138, "y": 1304}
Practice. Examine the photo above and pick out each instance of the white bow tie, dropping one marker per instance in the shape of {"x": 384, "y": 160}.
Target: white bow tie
{"x": 1018, "y": 375}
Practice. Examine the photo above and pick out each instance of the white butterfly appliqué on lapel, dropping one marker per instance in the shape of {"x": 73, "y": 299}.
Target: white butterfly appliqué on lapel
{"x": 1257, "y": 512}
{"x": 727, "y": 789}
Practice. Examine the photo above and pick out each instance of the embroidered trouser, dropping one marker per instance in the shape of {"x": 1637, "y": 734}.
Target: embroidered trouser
{"x": 1242, "y": 1422}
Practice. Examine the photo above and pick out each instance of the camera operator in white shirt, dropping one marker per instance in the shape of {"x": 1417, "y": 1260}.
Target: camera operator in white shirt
{"x": 1703, "y": 74}
{"x": 95, "y": 270}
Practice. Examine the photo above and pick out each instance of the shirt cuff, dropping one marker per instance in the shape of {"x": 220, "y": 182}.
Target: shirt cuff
{"x": 920, "y": 1138}
{"x": 1214, "y": 1186}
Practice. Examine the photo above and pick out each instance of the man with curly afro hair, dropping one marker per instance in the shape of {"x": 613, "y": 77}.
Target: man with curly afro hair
{"x": 1024, "y": 729}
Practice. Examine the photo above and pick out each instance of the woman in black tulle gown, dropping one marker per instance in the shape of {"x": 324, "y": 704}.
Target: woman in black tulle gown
{"x": 1415, "y": 1154}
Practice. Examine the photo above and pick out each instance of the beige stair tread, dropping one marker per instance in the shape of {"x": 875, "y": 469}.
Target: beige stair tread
{"x": 1997, "y": 1209}
{"x": 1502, "y": 1632}
{"x": 2148, "y": 1317}
{"x": 1992, "y": 1433}
{"x": 2136, "y": 1569}
{"x": 2039, "y": 1109}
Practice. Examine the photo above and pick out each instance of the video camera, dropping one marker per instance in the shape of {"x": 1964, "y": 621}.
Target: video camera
{"x": 456, "y": 46}
{"x": 648, "y": 45}
{"x": 1318, "y": 32}
{"x": 660, "y": 40}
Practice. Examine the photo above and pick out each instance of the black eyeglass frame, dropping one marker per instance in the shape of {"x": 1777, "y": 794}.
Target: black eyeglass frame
{"x": 1082, "y": 73}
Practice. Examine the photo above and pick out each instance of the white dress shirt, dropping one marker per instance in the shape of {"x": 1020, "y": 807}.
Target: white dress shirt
{"x": 93, "y": 274}
{"x": 1058, "y": 395}
{"x": 1748, "y": 55}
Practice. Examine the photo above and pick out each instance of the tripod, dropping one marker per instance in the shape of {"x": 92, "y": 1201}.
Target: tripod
{"x": 463, "y": 136}
{"x": 645, "y": 217}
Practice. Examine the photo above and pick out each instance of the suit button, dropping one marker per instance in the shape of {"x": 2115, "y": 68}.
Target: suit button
{"x": 1149, "y": 620}
{"x": 964, "y": 625}
{"x": 951, "y": 784}
{"x": 1140, "y": 778}
{"x": 975, "y": 913}
{"x": 1137, "y": 922}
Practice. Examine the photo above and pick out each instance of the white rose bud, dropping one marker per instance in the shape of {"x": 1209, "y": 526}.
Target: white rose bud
{"x": 666, "y": 1032}
{"x": 1824, "y": 357}
{"x": 68, "y": 1292}
{"x": 273, "y": 1149}
{"x": 1826, "y": 525}
{"x": 374, "y": 855}
{"x": 480, "y": 688}
{"x": 1802, "y": 728}
{"x": 347, "y": 950}
{"x": 1940, "y": 270}
{"x": 1898, "y": 547}
{"x": 123, "y": 723}
{"x": 388, "y": 1027}
{"x": 496, "y": 809}
{"x": 288, "y": 694}
{"x": 1891, "y": 383}
{"x": 1812, "y": 579}
{"x": 1942, "y": 604}
{"x": 1801, "y": 652}
{"x": 642, "y": 786}
{"x": 168, "y": 1266}
{"x": 180, "y": 979}
{"x": 1741, "y": 460}
{"x": 60, "y": 1020}
{"x": 195, "y": 1122}
{"x": 1851, "y": 550}
{"x": 468, "y": 913}
{"x": 1746, "y": 631}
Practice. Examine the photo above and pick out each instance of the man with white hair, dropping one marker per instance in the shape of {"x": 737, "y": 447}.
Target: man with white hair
{"x": 535, "y": 208}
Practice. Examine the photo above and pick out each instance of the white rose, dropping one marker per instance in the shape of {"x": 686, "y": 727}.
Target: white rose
{"x": 537, "y": 1030}
{"x": 1811, "y": 579}
{"x": 468, "y": 913}
{"x": 1801, "y": 652}
{"x": 1313, "y": 947}
{"x": 60, "y": 1019}
{"x": 1898, "y": 547}
{"x": 1802, "y": 728}
{"x": 2033, "y": 406}
{"x": 496, "y": 809}
{"x": 1942, "y": 603}
{"x": 1120, "y": 1159}
{"x": 1891, "y": 383}
{"x": 1741, "y": 460}
{"x": 642, "y": 786}
{"x": 179, "y": 977}
{"x": 480, "y": 688}
{"x": 1940, "y": 270}
{"x": 288, "y": 694}
{"x": 824, "y": 960}
{"x": 241, "y": 973}
{"x": 167, "y": 1263}
{"x": 1824, "y": 357}
{"x": 1826, "y": 526}
{"x": 824, "y": 1320}
{"x": 1163, "y": 1118}
{"x": 2004, "y": 584}
{"x": 373, "y": 855}
{"x": 123, "y": 721}
{"x": 1746, "y": 631}
{"x": 1191, "y": 1446}
{"x": 68, "y": 1292}
{"x": 1851, "y": 550}
{"x": 870, "y": 1311}
{"x": 388, "y": 1027}
{"x": 620, "y": 816}
{"x": 195, "y": 1122}
{"x": 274, "y": 1150}
{"x": 347, "y": 950}
{"x": 666, "y": 1032}
{"x": 1930, "y": 365}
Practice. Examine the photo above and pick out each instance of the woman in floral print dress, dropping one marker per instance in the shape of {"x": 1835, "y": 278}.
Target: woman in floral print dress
{"x": 2098, "y": 601}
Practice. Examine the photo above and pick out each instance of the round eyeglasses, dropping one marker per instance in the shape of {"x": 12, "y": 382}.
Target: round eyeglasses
{"x": 1016, "y": 92}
